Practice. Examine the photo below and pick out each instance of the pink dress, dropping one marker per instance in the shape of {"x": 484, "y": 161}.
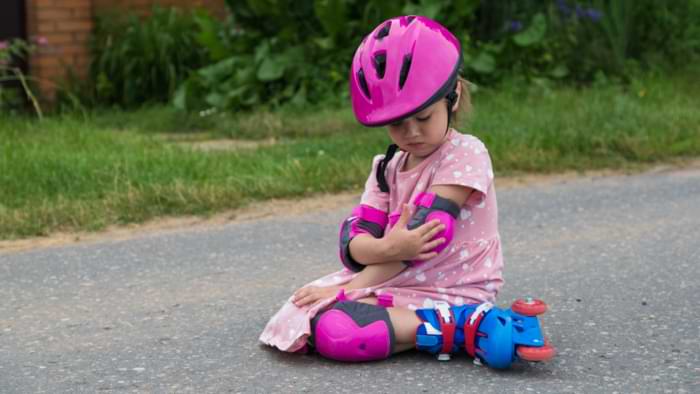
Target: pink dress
{"x": 468, "y": 271}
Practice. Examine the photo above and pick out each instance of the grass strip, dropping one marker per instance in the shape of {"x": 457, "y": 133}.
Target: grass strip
{"x": 67, "y": 173}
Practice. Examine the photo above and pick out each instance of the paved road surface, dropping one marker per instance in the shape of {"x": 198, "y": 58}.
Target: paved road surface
{"x": 617, "y": 259}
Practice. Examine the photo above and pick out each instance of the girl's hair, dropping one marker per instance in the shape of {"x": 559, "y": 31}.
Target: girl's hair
{"x": 465, "y": 101}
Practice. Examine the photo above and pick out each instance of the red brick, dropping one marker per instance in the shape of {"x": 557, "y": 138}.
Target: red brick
{"x": 47, "y": 61}
{"x": 51, "y": 14}
{"x": 41, "y": 3}
{"x": 75, "y": 3}
{"x": 45, "y": 27}
{"x": 59, "y": 38}
{"x": 80, "y": 37}
{"x": 47, "y": 72}
{"x": 66, "y": 60}
{"x": 73, "y": 50}
{"x": 82, "y": 62}
{"x": 82, "y": 13}
{"x": 74, "y": 26}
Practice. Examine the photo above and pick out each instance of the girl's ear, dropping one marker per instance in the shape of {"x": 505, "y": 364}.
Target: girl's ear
{"x": 458, "y": 90}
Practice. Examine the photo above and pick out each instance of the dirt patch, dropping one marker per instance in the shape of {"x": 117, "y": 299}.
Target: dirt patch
{"x": 226, "y": 144}
{"x": 255, "y": 211}
{"x": 296, "y": 207}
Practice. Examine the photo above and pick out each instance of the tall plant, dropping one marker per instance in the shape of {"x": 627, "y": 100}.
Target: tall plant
{"x": 11, "y": 52}
{"x": 288, "y": 51}
{"x": 281, "y": 51}
{"x": 137, "y": 61}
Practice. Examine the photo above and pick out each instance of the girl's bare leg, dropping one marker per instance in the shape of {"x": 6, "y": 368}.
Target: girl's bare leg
{"x": 405, "y": 324}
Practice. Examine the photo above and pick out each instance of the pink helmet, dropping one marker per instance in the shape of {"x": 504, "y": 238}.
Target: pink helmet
{"x": 404, "y": 65}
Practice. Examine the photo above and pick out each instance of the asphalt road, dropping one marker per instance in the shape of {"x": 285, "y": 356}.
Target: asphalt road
{"x": 616, "y": 258}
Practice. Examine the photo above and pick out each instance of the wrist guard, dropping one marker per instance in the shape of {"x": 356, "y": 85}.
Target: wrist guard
{"x": 363, "y": 220}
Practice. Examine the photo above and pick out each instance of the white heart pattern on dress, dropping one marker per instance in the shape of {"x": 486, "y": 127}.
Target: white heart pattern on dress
{"x": 465, "y": 214}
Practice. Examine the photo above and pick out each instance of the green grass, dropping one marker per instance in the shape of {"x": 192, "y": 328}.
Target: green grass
{"x": 75, "y": 173}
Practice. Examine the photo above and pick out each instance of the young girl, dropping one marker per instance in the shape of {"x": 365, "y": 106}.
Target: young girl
{"x": 424, "y": 241}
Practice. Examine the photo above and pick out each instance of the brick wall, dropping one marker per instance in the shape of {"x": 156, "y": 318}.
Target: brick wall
{"x": 143, "y": 7}
{"x": 67, "y": 24}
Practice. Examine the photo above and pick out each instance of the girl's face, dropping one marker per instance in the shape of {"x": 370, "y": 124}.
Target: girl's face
{"x": 423, "y": 133}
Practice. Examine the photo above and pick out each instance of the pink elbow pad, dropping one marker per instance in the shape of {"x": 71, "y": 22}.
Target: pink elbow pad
{"x": 430, "y": 206}
{"x": 364, "y": 219}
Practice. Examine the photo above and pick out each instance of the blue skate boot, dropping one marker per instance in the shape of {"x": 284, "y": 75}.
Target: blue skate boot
{"x": 495, "y": 336}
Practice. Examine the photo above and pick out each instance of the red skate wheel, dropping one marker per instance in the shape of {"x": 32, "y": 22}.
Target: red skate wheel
{"x": 529, "y": 307}
{"x": 531, "y": 353}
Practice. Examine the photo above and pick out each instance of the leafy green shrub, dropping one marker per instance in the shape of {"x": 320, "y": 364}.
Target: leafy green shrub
{"x": 282, "y": 51}
{"x": 666, "y": 32}
{"x": 137, "y": 61}
{"x": 14, "y": 84}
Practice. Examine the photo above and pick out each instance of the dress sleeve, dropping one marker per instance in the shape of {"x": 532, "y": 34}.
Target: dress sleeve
{"x": 372, "y": 196}
{"x": 467, "y": 164}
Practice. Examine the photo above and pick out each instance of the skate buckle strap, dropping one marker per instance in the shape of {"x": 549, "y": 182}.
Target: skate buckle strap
{"x": 472, "y": 324}
{"x": 386, "y": 300}
{"x": 447, "y": 326}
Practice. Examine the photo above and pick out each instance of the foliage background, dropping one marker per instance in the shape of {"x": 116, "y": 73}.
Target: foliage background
{"x": 263, "y": 58}
{"x": 275, "y": 52}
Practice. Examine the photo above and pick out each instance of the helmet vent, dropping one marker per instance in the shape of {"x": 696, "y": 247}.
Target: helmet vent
{"x": 410, "y": 19}
{"x": 380, "y": 64}
{"x": 363, "y": 83}
{"x": 384, "y": 31}
{"x": 405, "y": 67}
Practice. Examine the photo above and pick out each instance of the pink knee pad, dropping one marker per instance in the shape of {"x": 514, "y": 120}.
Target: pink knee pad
{"x": 353, "y": 331}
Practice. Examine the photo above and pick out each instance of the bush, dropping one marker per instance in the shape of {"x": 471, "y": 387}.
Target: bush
{"x": 16, "y": 88}
{"x": 278, "y": 51}
{"x": 138, "y": 61}
{"x": 275, "y": 52}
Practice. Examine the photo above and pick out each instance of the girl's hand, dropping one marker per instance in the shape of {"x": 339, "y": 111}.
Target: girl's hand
{"x": 311, "y": 294}
{"x": 404, "y": 244}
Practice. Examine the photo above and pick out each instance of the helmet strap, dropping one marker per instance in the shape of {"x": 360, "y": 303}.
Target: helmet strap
{"x": 451, "y": 101}
{"x": 381, "y": 168}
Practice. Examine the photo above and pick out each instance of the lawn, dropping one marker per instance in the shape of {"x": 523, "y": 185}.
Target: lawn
{"x": 84, "y": 172}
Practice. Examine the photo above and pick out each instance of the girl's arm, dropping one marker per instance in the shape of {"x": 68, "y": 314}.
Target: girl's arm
{"x": 399, "y": 244}
{"x": 368, "y": 277}
{"x": 383, "y": 256}
{"x": 375, "y": 274}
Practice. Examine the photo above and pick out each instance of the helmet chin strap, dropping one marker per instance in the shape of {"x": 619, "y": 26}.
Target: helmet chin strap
{"x": 381, "y": 167}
